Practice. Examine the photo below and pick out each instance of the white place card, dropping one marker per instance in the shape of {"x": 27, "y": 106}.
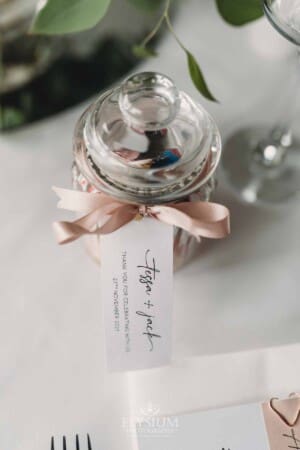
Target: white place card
{"x": 236, "y": 428}
{"x": 137, "y": 292}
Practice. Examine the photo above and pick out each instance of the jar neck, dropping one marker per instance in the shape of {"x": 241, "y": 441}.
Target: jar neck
{"x": 191, "y": 184}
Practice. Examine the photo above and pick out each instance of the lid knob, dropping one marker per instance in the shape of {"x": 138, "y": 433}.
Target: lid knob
{"x": 149, "y": 101}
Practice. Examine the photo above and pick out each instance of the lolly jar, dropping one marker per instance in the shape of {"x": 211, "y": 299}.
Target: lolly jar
{"x": 145, "y": 143}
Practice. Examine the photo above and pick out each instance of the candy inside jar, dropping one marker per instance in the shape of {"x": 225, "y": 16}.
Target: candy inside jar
{"x": 147, "y": 143}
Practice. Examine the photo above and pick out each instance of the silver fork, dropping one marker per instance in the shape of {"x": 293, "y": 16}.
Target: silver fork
{"x": 77, "y": 443}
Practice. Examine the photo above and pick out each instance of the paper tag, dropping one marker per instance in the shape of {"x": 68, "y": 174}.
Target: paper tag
{"x": 137, "y": 292}
{"x": 235, "y": 428}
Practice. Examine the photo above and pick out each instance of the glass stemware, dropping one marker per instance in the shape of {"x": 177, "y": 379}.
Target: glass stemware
{"x": 264, "y": 166}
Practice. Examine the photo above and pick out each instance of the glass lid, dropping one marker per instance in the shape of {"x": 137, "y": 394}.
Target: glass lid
{"x": 146, "y": 134}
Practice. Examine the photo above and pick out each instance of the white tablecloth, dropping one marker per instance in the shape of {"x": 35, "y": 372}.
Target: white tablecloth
{"x": 235, "y": 333}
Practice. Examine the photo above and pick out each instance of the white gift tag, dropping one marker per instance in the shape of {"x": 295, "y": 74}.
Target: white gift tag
{"x": 137, "y": 292}
{"x": 235, "y": 428}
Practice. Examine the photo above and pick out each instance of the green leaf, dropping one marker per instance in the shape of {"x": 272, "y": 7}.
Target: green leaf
{"x": 198, "y": 78}
{"x": 140, "y": 51}
{"x": 69, "y": 16}
{"x": 146, "y": 5}
{"x": 240, "y": 12}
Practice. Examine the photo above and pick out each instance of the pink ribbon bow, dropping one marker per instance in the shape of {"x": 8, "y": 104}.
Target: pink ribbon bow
{"x": 104, "y": 214}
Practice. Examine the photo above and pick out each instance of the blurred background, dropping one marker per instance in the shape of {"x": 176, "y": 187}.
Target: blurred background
{"x": 43, "y": 75}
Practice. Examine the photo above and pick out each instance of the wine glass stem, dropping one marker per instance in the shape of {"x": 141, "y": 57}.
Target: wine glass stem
{"x": 271, "y": 151}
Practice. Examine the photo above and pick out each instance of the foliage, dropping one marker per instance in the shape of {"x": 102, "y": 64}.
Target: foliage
{"x": 240, "y": 12}
{"x": 68, "y": 16}
{"x": 197, "y": 77}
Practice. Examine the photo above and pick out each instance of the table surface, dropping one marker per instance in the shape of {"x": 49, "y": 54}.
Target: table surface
{"x": 235, "y": 333}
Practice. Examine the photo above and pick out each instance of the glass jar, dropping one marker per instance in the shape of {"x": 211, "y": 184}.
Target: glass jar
{"x": 147, "y": 143}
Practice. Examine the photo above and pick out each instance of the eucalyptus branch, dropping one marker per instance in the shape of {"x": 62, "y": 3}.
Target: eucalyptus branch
{"x": 194, "y": 69}
{"x": 196, "y": 75}
{"x": 172, "y": 31}
{"x": 157, "y": 27}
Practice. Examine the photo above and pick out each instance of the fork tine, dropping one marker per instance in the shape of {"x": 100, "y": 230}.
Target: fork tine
{"x": 77, "y": 442}
{"x": 89, "y": 442}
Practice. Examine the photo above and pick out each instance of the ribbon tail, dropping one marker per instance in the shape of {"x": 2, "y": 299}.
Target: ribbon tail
{"x": 66, "y": 232}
